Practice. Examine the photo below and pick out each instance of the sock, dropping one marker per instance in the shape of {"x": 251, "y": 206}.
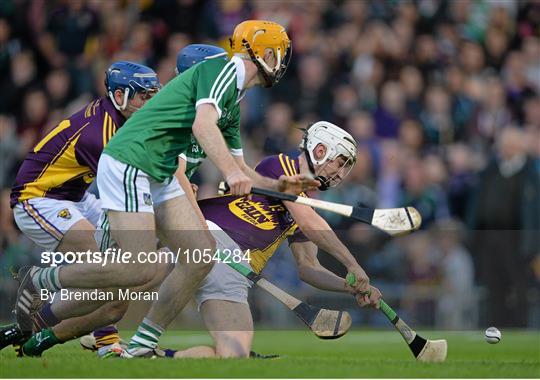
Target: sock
{"x": 46, "y": 318}
{"x": 169, "y": 353}
{"x": 40, "y": 342}
{"x": 46, "y": 278}
{"x": 106, "y": 336}
{"x": 147, "y": 335}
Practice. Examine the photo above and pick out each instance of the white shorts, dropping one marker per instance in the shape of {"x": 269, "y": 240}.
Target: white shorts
{"x": 46, "y": 220}
{"x": 123, "y": 187}
{"x": 223, "y": 282}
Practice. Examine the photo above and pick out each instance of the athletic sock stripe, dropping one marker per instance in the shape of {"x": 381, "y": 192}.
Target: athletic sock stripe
{"x": 224, "y": 88}
{"x": 45, "y": 276}
{"x": 55, "y": 278}
{"x": 149, "y": 333}
{"x": 147, "y": 337}
{"x": 51, "y": 279}
{"x": 42, "y": 284}
{"x": 223, "y": 72}
{"x": 125, "y": 188}
{"x": 152, "y": 329}
{"x": 137, "y": 342}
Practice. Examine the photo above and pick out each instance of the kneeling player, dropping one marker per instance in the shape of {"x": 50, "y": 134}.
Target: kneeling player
{"x": 259, "y": 224}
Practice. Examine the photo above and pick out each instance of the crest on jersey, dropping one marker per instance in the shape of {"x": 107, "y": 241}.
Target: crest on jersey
{"x": 65, "y": 214}
{"x": 147, "y": 197}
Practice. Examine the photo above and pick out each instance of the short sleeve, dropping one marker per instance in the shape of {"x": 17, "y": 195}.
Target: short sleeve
{"x": 271, "y": 167}
{"x": 297, "y": 237}
{"x": 215, "y": 84}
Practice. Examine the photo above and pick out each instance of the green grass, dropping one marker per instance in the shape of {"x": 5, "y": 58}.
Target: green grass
{"x": 358, "y": 354}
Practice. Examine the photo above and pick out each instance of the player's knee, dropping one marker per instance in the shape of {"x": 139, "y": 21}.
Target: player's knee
{"x": 115, "y": 311}
{"x": 233, "y": 345}
{"x": 137, "y": 274}
{"x": 232, "y": 352}
{"x": 201, "y": 270}
{"x": 145, "y": 274}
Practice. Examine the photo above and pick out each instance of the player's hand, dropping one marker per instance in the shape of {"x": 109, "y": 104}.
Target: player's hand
{"x": 361, "y": 284}
{"x": 297, "y": 184}
{"x": 194, "y": 188}
{"x": 239, "y": 183}
{"x": 372, "y": 299}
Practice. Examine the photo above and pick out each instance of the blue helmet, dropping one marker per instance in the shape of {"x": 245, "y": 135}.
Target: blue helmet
{"x": 195, "y": 53}
{"x": 130, "y": 77}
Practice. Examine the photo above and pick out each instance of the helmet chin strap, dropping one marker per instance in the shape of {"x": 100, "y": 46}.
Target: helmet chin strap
{"x": 322, "y": 179}
{"x": 124, "y": 104}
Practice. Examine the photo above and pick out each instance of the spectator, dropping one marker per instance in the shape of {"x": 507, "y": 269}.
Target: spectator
{"x": 455, "y": 304}
{"x": 24, "y": 75}
{"x": 423, "y": 279}
{"x": 421, "y": 192}
{"x": 411, "y": 136}
{"x": 278, "y": 127}
{"x": 390, "y": 111}
{"x": 436, "y": 117}
{"x": 413, "y": 84}
{"x": 492, "y": 114}
{"x": 504, "y": 215}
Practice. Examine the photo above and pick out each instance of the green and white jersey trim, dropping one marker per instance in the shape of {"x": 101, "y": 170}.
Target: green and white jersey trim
{"x": 224, "y": 79}
{"x": 234, "y": 69}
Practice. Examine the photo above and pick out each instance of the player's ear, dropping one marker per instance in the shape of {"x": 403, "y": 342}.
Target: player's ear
{"x": 119, "y": 96}
{"x": 319, "y": 151}
{"x": 269, "y": 57}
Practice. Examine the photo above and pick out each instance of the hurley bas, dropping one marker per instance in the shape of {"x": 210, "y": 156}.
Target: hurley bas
{"x": 98, "y": 295}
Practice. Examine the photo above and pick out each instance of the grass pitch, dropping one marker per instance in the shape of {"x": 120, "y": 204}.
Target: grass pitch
{"x": 358, "y": 354}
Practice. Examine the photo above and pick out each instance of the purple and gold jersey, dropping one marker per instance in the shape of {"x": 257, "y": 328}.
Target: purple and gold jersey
{"x": 64, "y": 163}
{"x": 260, "y": 224}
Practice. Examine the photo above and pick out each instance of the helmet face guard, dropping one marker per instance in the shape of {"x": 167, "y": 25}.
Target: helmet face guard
{"x": 270, "y": 75}
{"x": 343, "y": 171}
{"x": 338, "y": 143}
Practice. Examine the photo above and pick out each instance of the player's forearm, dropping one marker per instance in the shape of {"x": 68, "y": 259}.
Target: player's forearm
{"x": 322, "y": 235}
{"x": 322, "y": 278}
{"x": 211, "y": 140}
{"x": 259, "y": 180}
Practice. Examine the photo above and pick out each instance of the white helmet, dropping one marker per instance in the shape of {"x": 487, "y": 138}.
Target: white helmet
{"x": 337, "y": 141}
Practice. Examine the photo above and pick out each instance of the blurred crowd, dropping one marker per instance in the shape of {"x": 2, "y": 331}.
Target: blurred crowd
{"x": 442, "y": 96}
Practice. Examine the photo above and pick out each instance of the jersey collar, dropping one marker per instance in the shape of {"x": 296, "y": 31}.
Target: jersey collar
{"x": 240, "y": 72}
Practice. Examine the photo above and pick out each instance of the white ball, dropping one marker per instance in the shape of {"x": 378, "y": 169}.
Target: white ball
{"x": 492, "y": 335}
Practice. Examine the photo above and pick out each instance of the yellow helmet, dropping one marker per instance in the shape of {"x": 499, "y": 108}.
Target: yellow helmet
{"x": 254, "y": 37}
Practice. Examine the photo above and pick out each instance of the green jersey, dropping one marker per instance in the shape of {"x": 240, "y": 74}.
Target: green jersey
{"x": 155, "y": 135}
